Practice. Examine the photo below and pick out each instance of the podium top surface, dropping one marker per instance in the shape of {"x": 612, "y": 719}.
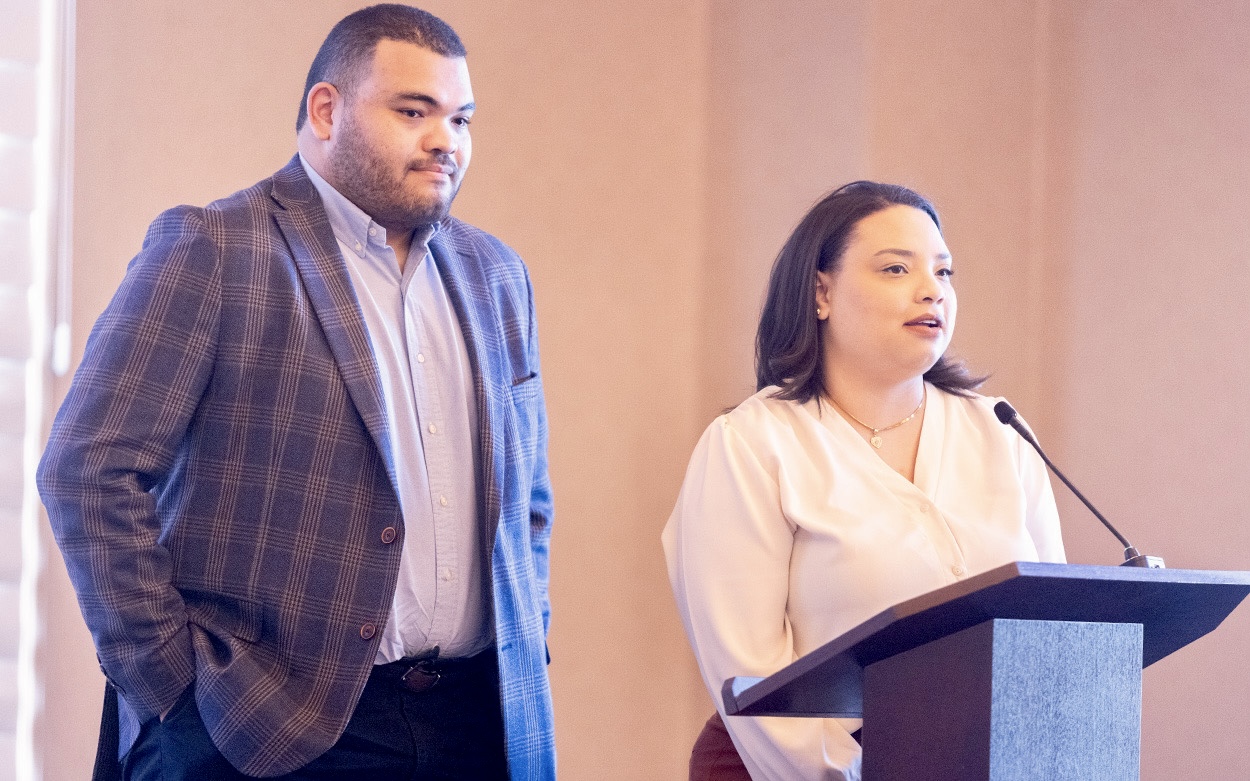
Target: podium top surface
{"x": 1174, "y": 607}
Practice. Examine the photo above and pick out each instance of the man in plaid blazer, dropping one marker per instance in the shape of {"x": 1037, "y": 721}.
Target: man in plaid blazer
{"x": 229, "y": 480}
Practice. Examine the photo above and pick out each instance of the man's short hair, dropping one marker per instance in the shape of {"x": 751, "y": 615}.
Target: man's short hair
{"x": 348, "y": 50}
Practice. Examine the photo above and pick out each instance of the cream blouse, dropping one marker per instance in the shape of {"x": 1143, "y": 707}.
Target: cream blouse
{"x": 790, "y": 530}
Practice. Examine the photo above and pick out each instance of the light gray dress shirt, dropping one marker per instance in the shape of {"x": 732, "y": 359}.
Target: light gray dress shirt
{"x": 427, "y": 385}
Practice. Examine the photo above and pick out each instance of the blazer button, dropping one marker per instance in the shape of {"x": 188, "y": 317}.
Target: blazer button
{"x": 388, "y": 535}
{"x": 367, "y": 631}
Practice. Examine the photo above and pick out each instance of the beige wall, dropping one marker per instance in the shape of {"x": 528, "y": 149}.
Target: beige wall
{"x": 648, "y": 158}
{"x": 1151, "y": 149}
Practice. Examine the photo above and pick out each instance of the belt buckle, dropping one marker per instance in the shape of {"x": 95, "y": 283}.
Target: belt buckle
{"x": 419, "y": 678}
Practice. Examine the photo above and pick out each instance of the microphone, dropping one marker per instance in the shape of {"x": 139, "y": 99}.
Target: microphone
{"x": 1007, "y": 415}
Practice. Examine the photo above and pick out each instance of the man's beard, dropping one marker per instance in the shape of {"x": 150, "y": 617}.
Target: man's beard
{"x": 370, "y": 182}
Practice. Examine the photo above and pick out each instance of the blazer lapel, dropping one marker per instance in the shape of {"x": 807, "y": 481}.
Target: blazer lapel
{"x": 304, "y": 224}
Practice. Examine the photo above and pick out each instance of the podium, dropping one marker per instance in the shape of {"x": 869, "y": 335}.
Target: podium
{"x": 1027, "y": 671}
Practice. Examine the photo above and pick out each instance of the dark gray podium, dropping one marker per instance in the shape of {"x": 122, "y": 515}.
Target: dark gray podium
{"x": 1026, "y": 671}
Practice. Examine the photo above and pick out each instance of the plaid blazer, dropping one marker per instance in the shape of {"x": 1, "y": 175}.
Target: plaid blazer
{"x": 218, "y": 478}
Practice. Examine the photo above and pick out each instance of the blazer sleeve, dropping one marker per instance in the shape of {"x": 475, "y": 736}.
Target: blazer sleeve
{"x": 541, "y": 505}
{"x": 114, "y": 443}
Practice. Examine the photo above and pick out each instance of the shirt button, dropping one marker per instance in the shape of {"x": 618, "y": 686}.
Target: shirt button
{"x": 958, "y": 570}
{"x": 358, "y": 246}
{"x": 373, "y": 231}
{"x": 367, "y": 631}
{"x": 388, "y": 535}
{"x": 420, "y": 357}
{"x": 447, "y": 574}
{"x": 433, "y": 429}
{"x": 442, "y": 500}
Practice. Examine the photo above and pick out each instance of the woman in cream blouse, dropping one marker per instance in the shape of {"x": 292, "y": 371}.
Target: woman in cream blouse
{"x": 863, "y": 473}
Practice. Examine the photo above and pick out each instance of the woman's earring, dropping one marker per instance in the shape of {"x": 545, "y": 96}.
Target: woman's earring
{"x": 818, "y": 311}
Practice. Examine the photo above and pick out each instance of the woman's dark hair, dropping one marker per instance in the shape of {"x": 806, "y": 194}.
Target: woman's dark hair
{"x": 787, "y": 345}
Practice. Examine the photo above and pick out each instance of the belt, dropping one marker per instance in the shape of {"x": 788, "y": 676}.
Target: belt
{"x": 426, "y": 670}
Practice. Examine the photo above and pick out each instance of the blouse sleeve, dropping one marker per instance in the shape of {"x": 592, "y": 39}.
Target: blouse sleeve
{"x": 1041, "y": 515}
{"x": 728, "y": 547}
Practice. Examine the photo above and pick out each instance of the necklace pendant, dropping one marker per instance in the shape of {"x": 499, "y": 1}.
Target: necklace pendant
{"x": 875, "y": 441}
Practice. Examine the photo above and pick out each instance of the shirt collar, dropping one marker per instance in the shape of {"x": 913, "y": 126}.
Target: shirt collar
{"x": 350, "y": 224}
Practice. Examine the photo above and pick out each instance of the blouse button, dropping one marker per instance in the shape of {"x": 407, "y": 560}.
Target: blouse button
{"x": 388, "y": 535}
{"x": 958, "y": 570}
{"x": 367, "y": 631}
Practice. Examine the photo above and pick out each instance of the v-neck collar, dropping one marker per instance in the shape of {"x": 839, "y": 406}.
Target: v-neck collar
{"x": 928, "y": 453}
{"x": 932, "y": 435}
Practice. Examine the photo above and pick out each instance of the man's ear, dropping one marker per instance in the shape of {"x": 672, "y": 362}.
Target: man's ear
{"x": 323, "y": 101}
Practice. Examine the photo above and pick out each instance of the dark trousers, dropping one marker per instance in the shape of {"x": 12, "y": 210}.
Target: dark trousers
{"x": 453, "y": 730}
{"x": 715, "y": 758}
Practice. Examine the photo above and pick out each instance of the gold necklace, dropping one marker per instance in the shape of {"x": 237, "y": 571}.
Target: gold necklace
{"x": 875, "y": 439}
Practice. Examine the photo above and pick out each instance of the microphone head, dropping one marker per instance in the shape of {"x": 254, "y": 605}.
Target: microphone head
{"x": 1005, "y": 412}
